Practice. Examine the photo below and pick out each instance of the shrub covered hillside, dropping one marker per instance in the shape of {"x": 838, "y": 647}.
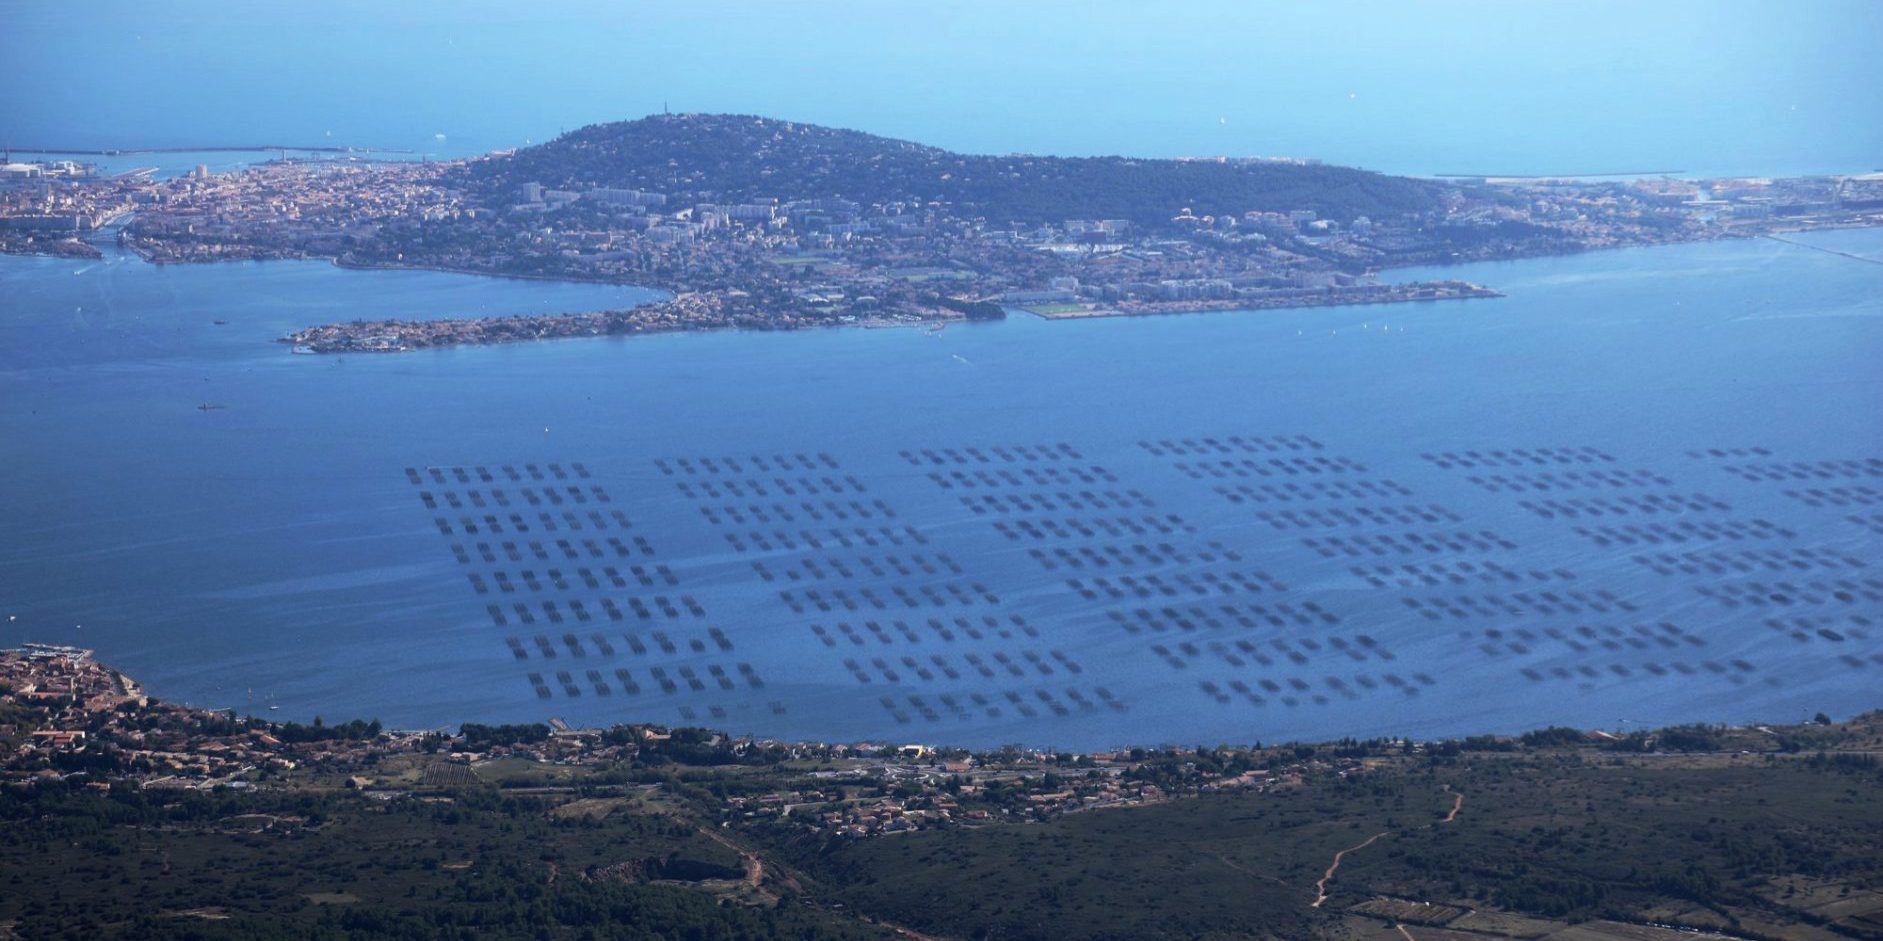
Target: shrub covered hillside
{"x": 734, "y": 158}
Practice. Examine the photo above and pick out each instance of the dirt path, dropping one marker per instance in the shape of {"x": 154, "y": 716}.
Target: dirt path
{"x": 1458, "y": 804}
{"x": 1405, "y": 934}
{"x": 1247, "y": 871}
{"x": 754, "y": 867}
{"x": 755, "y": 874}
{"x": 908, "y": 932}
{"x": 1320, "y": 888}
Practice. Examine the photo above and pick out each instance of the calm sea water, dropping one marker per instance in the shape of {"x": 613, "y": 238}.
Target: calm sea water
{"x": 1301, "y": 569}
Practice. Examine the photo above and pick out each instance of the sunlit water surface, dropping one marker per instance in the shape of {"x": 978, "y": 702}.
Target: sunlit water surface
{"x": 1189, "y": 528}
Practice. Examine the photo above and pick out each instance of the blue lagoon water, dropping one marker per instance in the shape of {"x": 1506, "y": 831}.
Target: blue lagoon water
{"x": 1644, "y": 487}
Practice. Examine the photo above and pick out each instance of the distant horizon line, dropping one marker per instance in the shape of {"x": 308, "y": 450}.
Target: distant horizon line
{"x": 486, "y": 151}
{"x": 205, "y": 149}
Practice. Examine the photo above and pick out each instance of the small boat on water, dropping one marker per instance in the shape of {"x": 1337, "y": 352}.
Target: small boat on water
{"x": 210, "y": 407}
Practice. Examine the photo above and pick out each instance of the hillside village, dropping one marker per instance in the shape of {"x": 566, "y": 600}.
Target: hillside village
{"x": 762, "y": 224}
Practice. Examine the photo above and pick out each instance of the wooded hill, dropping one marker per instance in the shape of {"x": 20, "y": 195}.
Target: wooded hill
{"x": 739, "y": 158}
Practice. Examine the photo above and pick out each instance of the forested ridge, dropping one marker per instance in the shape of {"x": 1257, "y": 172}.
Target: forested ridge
{"x": 737, "y": 158}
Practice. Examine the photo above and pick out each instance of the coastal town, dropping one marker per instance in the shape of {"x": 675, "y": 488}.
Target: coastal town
{"x": 806, "y": 256}
{"x": 342, "y": 820}
{"x": 66, "y": 719}
{"x": 56, "y": 207}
